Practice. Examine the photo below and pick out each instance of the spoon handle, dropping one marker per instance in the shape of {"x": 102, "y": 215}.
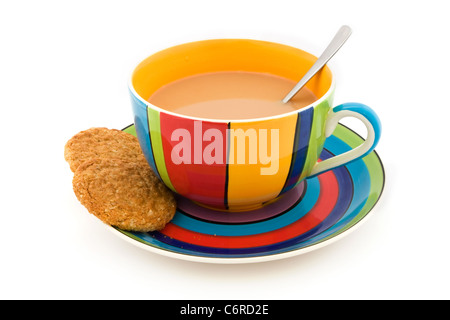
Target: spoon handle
{"x": 339, "y": 39}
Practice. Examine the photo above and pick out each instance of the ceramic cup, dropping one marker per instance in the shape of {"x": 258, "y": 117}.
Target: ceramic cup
{"x": 239, "y": 165}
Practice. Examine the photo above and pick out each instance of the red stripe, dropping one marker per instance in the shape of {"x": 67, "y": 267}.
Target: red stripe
{"x": 325, "y": 203}
{"x": 197, "y": 181}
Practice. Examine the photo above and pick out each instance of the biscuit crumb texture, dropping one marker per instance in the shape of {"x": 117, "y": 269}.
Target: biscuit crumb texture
{"x": 101, "y": 143}
{"x": 125, "y": 194}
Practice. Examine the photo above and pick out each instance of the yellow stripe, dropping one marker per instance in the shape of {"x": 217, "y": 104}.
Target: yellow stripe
{"x": 253, "y": 171}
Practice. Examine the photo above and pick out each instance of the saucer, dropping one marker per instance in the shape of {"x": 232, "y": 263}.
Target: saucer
{"x": 317, "y": 212}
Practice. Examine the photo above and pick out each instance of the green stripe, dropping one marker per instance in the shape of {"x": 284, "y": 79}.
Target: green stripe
{"x": 157, "y": 147}
{"x": 317, "y": 138}
{"x": 131, "y": 130}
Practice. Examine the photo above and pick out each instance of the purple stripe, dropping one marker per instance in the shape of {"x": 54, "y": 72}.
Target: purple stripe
{"x": 300, "y": 149}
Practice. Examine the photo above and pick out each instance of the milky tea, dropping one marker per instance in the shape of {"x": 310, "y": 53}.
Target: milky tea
{"x": 231, "y": 95}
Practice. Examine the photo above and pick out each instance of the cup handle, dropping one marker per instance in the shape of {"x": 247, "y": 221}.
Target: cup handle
{"x": 372, "y": 123}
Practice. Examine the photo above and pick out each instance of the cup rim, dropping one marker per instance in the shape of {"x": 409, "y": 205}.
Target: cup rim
{"x": 281, "y": 115}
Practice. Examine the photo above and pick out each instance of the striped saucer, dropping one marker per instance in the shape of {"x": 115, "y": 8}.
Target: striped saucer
{"x": 317, "y": 212}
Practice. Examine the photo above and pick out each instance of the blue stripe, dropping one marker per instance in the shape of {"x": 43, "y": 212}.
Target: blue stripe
{"x": 142, "y": 132}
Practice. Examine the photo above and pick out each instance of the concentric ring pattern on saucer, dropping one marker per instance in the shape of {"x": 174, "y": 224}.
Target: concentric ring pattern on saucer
{"x": 317, "y": 212}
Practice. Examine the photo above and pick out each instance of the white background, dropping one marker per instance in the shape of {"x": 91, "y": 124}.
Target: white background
{"x": 64, "y": 67}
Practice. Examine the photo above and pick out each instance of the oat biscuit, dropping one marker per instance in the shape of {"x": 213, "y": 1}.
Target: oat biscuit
{"x": 125, "y": 194}
{"x": 101, "y": 143}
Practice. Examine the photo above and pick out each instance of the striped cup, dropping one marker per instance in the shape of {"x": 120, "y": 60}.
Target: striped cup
{"x": 239, "y": 165}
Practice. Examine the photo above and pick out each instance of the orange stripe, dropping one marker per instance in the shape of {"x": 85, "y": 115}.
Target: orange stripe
{"x": 254, "y": 183}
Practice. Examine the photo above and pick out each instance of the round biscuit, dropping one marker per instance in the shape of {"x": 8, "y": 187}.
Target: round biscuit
{"x": 101, "y": 143}
{"x": 124, "y": 194}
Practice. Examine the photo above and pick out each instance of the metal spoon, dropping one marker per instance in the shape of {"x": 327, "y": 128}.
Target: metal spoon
{"x": 339, "y": 39}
